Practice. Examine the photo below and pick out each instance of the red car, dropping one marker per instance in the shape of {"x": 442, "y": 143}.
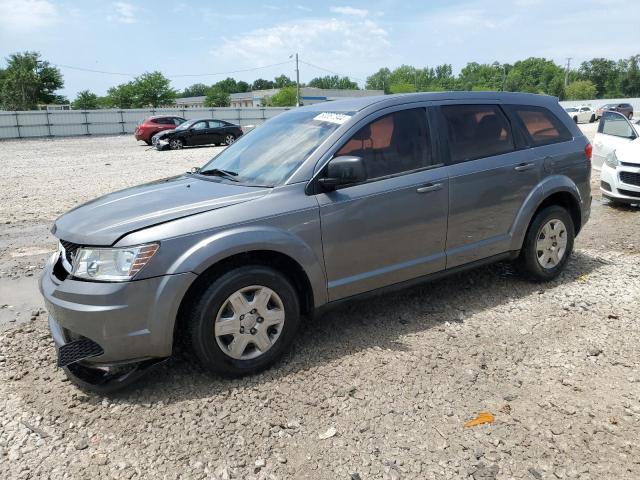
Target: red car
{"x": 153, "y": 125}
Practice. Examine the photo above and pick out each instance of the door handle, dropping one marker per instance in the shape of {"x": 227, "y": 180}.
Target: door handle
{"x": 430, "y": 187}
{"x": 524, "y": 166}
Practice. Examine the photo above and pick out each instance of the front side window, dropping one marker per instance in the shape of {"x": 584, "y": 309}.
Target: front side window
{"x": 542, "y": 126}
{"x": 616, "y": 125}
{"x": 477, "y": 131}
{"x": 397, "y": 142}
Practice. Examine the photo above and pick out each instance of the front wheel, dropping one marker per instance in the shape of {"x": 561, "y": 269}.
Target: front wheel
{"x": 547, "y": 245}
{"x": 244, "y": 321}
{"x": 592, "y": 119}
{"x": 575, "y": 119}
{"x": 176, "y": 144}
{"x": 229, "y": 138}
{"x": 630, "y": 116}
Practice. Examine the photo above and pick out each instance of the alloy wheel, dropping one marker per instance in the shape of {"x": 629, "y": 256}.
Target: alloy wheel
{"x": 229, "y": 139}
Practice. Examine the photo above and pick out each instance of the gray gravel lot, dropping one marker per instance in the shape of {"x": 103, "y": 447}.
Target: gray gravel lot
{"x": 375, "y": 389}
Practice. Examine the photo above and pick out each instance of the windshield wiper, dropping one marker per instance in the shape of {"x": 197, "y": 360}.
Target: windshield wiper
{"x": 217, "y": 172}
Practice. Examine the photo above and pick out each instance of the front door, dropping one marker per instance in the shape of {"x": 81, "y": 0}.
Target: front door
{"x": 614, "y": 131}
{"x": 392, "y": 227}
{"x": 198, "y": 133}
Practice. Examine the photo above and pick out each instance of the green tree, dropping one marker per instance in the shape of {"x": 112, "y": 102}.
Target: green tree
{"x": 216, "y": 97}
{"x": 28, "y": 81}
{"x": 153, "y": 90}
{"x": 243, "y": 86}
{"x": 286, "y": 97}
{"x": 402, "y": 88}
{"x": 195, "y": 90}
{"x": 630, "y": 81}
{"x": 603, "y": 73}
{"x": 476, "y": 76}
{"x": 262, "y": 84}
{"x": 85, "y": 100}
{"x": 581, "y": 90}
{"x": 283, "y": 81}
{"x": 333, "y": 82}
{"x": 121, "y": 96}
{"x": 379, "y": 80}
{"x": 535, "y": 75}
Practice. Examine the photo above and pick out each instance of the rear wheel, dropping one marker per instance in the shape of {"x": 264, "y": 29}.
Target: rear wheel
{"x": 244, "y": 321}
{"x": 575, "y": 119}
{"x": 592, "y": 119}
{"x": 229, "y": 138}
{"x": 176, "y": 144}
{"x": 630, "y": 116}
{"x": 547, "y": 245}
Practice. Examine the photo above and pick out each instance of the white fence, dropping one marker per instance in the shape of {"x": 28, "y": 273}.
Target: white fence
{"x": 67, "y": 123}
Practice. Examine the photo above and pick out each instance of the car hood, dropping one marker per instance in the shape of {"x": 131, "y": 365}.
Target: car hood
{"x": 630, "y": 152}
{"x": 106, "y": 219}
{"x": 164, "y": 132}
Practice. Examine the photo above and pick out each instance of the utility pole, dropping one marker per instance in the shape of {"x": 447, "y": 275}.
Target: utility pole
{"x": 297, "y": 82}
{"x": 566, "y": 73}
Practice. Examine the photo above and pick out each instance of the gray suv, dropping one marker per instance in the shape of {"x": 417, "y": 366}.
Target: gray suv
{"x": 318, "y": 205}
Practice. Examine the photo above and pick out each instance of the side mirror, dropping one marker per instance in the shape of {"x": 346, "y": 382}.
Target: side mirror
{"x": 343, "y": 170}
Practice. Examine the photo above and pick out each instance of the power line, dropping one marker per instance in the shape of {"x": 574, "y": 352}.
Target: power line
{"x": 330, "y": 71}
{"x": 82, "y": 69}
{"x": 229, "y": 72}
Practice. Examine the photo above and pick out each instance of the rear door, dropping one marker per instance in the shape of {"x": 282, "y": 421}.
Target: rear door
{"x": 216, "y": 131}
{"x": 614, "y": 131}
{"x": 490, "y": 175}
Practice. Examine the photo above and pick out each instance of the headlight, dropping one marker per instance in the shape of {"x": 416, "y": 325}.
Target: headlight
{"x": 612, "y": 160}
{"x": 111, "y": 264}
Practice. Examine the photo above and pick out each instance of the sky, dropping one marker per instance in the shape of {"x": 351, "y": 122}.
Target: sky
{"x": 205, "y": 41}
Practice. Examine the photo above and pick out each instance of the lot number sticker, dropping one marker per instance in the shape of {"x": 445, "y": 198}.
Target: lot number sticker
{"x": 330, "y": 117}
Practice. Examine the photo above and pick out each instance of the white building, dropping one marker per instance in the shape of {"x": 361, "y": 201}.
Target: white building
{"x": 308, "y": 96}
{"x": 190, "y": 102}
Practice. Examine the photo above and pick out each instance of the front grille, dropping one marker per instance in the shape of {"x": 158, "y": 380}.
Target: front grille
{"x": 630, "y": 178}
{"x": 78, "y": 350}
{"x": 605, "y": 186}
{"x": 629, "y": 193}
{"x": 69, "y": 250}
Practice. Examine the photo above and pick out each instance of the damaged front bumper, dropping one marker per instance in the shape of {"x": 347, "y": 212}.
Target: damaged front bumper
{"x": 108, "y": 334}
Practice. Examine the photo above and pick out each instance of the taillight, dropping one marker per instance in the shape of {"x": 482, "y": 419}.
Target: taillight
{"x": 588, "y": 150}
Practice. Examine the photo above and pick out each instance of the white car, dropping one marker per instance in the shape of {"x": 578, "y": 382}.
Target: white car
{"x": 616, "y": 148}
{"x": 583, "y": 113}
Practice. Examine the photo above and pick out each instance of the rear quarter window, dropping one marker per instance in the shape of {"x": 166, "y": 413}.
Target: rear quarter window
{"x": 541, "y": 126}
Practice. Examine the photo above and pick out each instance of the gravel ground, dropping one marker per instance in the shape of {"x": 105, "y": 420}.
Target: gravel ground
{"x": 375, "y": 389}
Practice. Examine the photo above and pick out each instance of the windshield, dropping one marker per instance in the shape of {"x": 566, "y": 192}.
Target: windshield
{"x": 185, "y": 125}
{"x": 269, "y": 154}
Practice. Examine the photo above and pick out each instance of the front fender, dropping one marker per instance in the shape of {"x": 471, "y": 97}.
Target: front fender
{"x": 546, "y": 188}
{"x": 223, "y": 244}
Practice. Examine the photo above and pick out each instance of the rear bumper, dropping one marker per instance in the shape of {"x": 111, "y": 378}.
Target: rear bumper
{"x": 115, "y": 323}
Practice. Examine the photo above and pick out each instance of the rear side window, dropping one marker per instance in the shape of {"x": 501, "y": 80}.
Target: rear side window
{"x": 542, "y": 126}
{"x": 395, "y": 143}
{"x": 477, "y": 131}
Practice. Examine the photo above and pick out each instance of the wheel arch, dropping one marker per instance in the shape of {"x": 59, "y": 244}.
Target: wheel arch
{"x": 556, "y": 190}
{"x": 276, "y": 260}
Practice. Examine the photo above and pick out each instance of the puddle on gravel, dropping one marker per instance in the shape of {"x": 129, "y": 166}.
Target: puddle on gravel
{"x": 18, "y": 298}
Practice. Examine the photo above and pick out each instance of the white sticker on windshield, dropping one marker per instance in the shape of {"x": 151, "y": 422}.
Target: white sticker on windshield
{"x": 331, "y": 117}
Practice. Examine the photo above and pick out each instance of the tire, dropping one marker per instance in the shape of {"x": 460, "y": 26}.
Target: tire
{"x": 229, "y": 138}
{"x": 529, "y": 263}
{"x": 176, "y": 143}
{"x": 575, "y": 119}
{"x": 212, "y": 314}
{"x": 630, "y": 116}
{"x": 592, "y": 119}
{"x": 148, "y": 142}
